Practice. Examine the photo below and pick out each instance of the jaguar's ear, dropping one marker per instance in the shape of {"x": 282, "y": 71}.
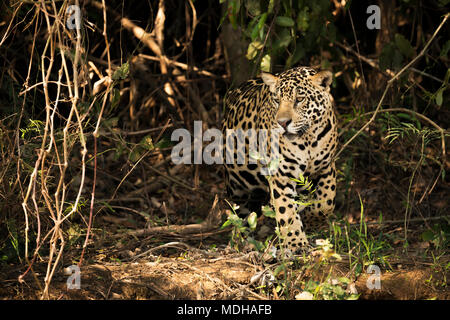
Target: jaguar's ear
{"x": 323, "y": 79}
{"x": 270, "y": 80}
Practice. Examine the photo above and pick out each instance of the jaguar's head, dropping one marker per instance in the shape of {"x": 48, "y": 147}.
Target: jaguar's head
{"x": 301, "y": 97}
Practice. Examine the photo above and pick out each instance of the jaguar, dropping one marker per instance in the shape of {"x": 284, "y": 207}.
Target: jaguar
{"x": 295, "y": 108}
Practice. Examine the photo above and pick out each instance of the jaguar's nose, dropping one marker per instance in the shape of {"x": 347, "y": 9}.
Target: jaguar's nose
{"x": 284, "y": 122}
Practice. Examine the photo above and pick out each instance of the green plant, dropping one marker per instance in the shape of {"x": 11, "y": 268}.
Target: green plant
{"x": 416, "y": 135}
{"x": 361, "y": 246}
{"x": 282, "y": 31}
{"x": 330, "y": 289}
{"x": 394, "y": 53}
{"x": 308, "y": 190}
{"x": 438, "y": 235}
{"x": 11, "y": 250}
{"x": 365, "y": 248}
{"x": 242, "y": 229}
{"x": 407, "y": 129}
{"x": 441, "y": 269}
{"x": 34, "y": 127}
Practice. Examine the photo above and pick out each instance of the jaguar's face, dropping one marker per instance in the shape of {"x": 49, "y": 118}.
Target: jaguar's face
{"x": 301, "y": 97}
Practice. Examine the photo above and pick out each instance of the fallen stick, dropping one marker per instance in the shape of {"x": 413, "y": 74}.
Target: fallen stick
{"x": 211, "y": 222}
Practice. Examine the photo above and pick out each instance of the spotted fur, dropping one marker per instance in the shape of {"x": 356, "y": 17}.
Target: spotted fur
{"x": 297, "y": 104}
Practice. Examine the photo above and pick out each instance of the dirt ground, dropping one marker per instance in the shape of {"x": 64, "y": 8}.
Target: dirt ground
{"x": 175, "y": 270}
{"x": 225, "y": 277}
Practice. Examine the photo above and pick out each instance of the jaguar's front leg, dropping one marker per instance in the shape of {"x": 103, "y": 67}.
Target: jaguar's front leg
{"x": 314, "y": 215}
{"x": 283, "y": 196}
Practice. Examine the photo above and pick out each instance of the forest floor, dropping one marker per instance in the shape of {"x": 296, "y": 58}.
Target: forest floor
{"x": 220, "y": 275}
{"x": 122, "y": 262}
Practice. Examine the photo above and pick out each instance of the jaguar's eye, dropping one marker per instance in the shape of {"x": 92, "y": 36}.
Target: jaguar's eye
{"x": 299, "y": 99}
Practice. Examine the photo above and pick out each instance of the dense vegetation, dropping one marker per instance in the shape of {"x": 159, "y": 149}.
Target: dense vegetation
{"x": 86, "y": 116}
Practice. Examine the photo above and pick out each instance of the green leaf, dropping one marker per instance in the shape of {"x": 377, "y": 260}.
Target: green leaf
{"x": 265, "y": 63}
{"x": 252, "y": 220}
{"x": 268, "y": 212}
{"x": 147, "y": 143}
{"x": 225, "y": 224}
{"x": 339, "y": 291}
{"x": 259, "y": 26}
{"x": 445, "y": 49}
{"x": 344, "y": 280}
{"x": 439, "y": 96}
{"x": 385, "y": 59}
{"x": 303, "y": 20}
{"x": 233, "y": 10}
{"x": 252, "y": 28}
{"x": 447, "y": 76}
{"x": 254, "y": 7}
{"x": 404, "y": 46}
{"x": 122, "y": 72}
{"x": 259, "y": 246}
{"x": 271, "y": 6}
{"x": 253, "y": 49}
{"x": 358, "y": 269}
{"x": 406, "y": 116}
{"x": 397, "y": 60}
{"x": 163, "y": 143}
{"x": 278, "y": 269}
{"x": 262, "y": 20}
{"x": 284, "y": 21}
{"x": 428, "y": 235}
{"x": 115, "y": 98}
{"x": 135, "y": 154}
{"x": 283, "y": 40}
